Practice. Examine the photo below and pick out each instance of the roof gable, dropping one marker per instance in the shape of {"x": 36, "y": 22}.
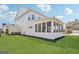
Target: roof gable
{"x": 20, "y": 12}
{"x": 25, "y": 12}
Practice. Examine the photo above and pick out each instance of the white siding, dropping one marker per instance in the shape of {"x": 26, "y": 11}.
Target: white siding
{"x": 23, "y": 22}
{"x": 13, "y": 29}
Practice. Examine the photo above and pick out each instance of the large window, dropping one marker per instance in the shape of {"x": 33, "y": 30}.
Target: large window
{"x": 61, "y": 28}
{"x": 39, "y": 27}
{"x": 49, "y": 26}
{"x": 35, "y": 27}
{"x": 43, "y": 27}
{"x": 33, "y": 17}
{"x": 38, "y": 17}
{"x": 58, "y": 27}
{"x": 54, "y": 26}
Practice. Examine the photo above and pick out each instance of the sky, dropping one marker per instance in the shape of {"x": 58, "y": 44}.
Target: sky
{"x": 64, "y": 12}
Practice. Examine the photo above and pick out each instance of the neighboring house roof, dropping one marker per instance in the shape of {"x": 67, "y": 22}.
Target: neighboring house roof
{"x": 10, "y": 25}
{"x": 55, "y": 18}
{"x": 73, "y": 22}
{"x": 27, "y": 11}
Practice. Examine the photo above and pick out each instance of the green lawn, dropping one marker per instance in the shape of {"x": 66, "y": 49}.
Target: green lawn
{"x": 24, "y": 44}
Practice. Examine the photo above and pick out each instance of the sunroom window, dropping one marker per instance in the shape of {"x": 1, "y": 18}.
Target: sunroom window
{"x": 35, "y": 27}
{"x": 39, "y": 27}
{"x": 43, "y": 27}
{"x": 49, "y": 26}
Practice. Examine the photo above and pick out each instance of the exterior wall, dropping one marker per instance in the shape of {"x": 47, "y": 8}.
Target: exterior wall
{"x": 68, "y": 31}
{"x": 24, "y": 23}
{"x": 72, "y": 27}
{"x": 75, "y": 31}
{"x": 13, "y": 29}
{"x": 4, "y": 29}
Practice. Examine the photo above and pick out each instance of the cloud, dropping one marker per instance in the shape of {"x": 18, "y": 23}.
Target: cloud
{"x": 1, "y": 12}
{"x": 60, "y": 17}
{"x": 44, "y": 7}
{"x": 5, "y": 13}
{"x": 68, "y": 11}
{"x": 9, "y": 14}
{"x": 3, "y": 7}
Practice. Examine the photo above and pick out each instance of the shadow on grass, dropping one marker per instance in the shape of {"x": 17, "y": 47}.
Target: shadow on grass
{"x": 3, "y": 52}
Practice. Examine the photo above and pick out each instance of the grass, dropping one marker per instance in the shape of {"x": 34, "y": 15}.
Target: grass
{"x": 15, "y": 44}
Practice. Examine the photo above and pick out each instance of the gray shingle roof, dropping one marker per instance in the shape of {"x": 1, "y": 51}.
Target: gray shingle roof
{"x": 73, "y": 22}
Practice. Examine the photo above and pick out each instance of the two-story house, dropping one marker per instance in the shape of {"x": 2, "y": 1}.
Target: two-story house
{"x": 35, "y": 24}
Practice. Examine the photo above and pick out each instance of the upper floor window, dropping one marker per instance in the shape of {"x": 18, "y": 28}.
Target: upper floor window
{"x": 38, "y": 17}
{"x": 28, "y": 18}
{"x": 33, "y": 17}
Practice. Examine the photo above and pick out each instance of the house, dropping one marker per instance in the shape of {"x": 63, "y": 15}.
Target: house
{"x": 11, "y": 29}
{"x": 35, "y": 24}
{"x": 72, "y": 27}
